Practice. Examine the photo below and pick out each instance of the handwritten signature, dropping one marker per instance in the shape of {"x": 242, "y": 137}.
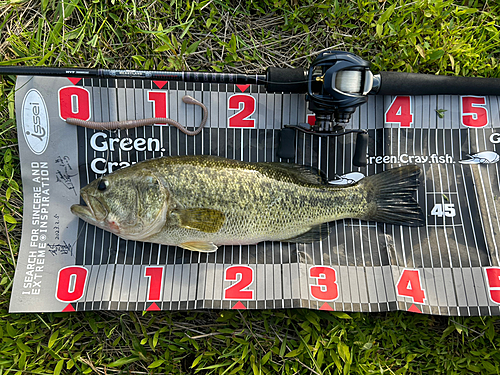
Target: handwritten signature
{"x": 64, "y": 176}
{"x": 64, "y": 248}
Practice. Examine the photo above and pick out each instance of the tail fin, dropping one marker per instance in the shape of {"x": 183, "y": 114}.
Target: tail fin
{"x": 390, "y": 197}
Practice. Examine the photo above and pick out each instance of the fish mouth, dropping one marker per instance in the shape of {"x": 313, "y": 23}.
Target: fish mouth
{"x": 92, "y": 211}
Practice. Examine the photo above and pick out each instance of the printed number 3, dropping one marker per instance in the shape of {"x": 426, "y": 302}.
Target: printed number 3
{"x": 326, "y": 288}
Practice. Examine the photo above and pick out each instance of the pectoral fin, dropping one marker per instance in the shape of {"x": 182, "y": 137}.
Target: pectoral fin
{"x": 203, "y": 219}
{"x": 202, "y": 246}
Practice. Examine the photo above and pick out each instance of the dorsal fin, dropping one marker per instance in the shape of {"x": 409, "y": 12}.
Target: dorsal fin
{"x": 298, "y": 173}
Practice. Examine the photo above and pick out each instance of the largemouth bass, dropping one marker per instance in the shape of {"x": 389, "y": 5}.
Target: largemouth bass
{"x": 201, "y": 202}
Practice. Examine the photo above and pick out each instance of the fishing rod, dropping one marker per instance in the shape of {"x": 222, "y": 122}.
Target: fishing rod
{"x": 335, "y": 84}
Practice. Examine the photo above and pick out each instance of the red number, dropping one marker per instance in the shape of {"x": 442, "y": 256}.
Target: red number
{"x": 474, "y": 114}
{"x": 246, "y": 106}
{"x": 409, "y": 286}
{"x": 326, "y": 280}
{"x": 74, "y": 102}
{"x": 311, "y": 119}
{"x": 71, "y": 283}
{"x": 159, "y": 99}
{"x": 399, "y": 111}
{"x": 155, "y": 275}
{"x": 493, "y": 275}
{"x": 236, "y": 291}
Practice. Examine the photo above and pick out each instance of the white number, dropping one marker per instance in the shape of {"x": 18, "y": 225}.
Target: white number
{"x": 447, "y": 209}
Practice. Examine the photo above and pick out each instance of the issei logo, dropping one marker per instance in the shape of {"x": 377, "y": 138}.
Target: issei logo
{"x": 35, "y": 122}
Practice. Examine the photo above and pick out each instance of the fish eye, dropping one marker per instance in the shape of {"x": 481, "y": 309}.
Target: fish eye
{"x": 103, "y": 184}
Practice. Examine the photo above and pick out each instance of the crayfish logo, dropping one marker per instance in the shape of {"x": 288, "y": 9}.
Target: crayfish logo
{"x": 484, "y": 157}
{"x": 35, "y": 122}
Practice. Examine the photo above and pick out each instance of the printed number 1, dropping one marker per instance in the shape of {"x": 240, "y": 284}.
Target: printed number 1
{"x": 155, "y": 275}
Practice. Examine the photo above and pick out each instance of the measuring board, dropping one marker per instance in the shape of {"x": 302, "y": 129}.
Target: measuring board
{"x": 448, "y": 267}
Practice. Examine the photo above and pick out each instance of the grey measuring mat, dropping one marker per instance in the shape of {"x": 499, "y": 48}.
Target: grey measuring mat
{"x": 448, "y": 267}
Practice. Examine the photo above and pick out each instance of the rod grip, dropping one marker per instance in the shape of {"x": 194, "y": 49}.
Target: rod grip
{"x": 286, "y": 80}
{"x": 398, "y": 83}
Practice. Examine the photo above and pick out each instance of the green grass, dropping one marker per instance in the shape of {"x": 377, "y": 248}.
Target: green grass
{"x": 445, "y": 37}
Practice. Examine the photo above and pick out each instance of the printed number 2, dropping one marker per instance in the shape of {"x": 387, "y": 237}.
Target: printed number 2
{"x": 399, "y": 111}
{"x": 409, "y": 286}
{"x": 326, "y": 280}
{"x": 236, "y": 291}
{"x": 246, "y": 106}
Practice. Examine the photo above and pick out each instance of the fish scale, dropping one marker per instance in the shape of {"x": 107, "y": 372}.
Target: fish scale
{"x": 201, "y": 202}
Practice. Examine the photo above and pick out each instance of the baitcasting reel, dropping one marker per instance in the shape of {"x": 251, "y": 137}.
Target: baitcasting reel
{"x": 337, "y": 83}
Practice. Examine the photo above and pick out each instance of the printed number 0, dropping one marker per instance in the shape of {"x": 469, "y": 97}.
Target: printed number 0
{"x": 326, "y": 288}
{"x": 71, "y": 283}
{"x": 74, "y": 101}
{"x": 246, "y": 106}
{"x": 409, "y": 286}
{"x": 236, "y": 291}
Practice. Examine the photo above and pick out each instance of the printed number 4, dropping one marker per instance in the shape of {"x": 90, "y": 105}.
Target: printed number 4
{"x": 409, "y": 286}
{"x": 447, "y": 209}
{"x": 399, "y": 112}
{"x": 493, "y": 275}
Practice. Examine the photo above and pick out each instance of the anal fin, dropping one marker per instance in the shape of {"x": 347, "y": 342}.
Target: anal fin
{"x": 316, "y": 233}
{"x": 201, "y": 246}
